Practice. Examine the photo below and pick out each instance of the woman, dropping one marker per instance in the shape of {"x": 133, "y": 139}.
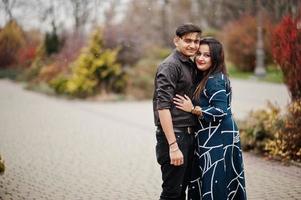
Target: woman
{"x": 218, "y": 172}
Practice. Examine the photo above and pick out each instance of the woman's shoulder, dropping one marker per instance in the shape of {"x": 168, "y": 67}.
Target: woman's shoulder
{"x": 218, "y": 81}
{"x": 218, "y": 78}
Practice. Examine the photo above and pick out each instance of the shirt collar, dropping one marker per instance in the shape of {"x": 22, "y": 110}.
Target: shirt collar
{"x": 182, "y": 57}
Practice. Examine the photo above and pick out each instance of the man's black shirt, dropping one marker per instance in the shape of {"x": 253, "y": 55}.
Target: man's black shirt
{"x": 175, "y": 75}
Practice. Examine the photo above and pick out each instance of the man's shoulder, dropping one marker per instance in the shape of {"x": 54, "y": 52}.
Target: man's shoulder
{"x": 170, "y": 61}
{"x": 173, "y": 58}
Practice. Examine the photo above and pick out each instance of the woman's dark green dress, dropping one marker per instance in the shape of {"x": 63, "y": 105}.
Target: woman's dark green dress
{"x": 218, "y": 172}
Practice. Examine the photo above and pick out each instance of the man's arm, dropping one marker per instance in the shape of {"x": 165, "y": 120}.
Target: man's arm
{"x": 175, "y": 154}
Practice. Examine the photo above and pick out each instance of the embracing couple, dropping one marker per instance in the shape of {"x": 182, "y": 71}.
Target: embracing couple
{"x": 198, "y": 142}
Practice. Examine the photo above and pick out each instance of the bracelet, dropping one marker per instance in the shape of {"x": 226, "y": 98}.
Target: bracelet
{"x": 175, "y": 150}
{"x": 192, "y": 109}
{"x": 173, "y": 143}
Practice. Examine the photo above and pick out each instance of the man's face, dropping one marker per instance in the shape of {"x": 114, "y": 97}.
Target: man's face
{"x": 188, "y": 44}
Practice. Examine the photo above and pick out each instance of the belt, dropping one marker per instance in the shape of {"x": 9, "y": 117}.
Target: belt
{"x": 185, "y": 129}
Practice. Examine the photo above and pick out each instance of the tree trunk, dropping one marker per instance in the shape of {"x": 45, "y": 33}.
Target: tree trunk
{"x": 8, "y": 9}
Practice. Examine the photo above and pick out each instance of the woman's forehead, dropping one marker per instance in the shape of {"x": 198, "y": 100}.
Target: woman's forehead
{"x": 204, "y": 48}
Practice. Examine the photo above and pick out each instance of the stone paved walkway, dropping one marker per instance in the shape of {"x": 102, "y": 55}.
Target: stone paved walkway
{"x": 59, "y": 149}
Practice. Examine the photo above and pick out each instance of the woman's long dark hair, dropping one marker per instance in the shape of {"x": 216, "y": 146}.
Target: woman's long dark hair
{"x": 217, "y": 63}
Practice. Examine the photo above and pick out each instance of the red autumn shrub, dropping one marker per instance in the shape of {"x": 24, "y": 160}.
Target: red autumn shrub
{"x": 240, "y": 41}
{"x": 28, "y": 51}
{"x": 26, "y": 55}
{"x": 286, "y": 49}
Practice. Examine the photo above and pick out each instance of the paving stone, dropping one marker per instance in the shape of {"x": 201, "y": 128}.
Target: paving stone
{"x": 61, "y": 149}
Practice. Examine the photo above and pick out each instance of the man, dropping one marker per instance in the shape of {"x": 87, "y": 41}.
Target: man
{"x": 175, "y": 141}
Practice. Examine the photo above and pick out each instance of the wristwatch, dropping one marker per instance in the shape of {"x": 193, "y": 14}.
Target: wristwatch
{"x": 197, "y": 110}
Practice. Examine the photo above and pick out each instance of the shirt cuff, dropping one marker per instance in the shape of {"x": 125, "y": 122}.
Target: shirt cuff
{"x": 163, "y": 105}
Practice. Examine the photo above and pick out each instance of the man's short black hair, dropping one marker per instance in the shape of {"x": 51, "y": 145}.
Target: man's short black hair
{"x": 188, "y": 28}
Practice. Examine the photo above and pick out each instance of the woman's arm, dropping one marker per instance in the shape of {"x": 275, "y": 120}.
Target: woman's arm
{"x": 217, "y": 97}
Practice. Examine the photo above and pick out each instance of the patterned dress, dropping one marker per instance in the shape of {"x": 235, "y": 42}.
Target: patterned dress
{"x": 218, "y": 172}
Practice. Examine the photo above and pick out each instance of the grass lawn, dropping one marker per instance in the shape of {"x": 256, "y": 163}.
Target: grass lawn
{"x": 274, "y": 75}
{"x": 10, "y": 73}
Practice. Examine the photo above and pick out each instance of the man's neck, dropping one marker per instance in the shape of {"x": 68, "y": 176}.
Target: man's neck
{"x": 182, "y": 53}
{"x": 183, "y": 56}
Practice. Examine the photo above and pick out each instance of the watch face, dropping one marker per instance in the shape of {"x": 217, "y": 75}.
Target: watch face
{"x": 197, "y": 110}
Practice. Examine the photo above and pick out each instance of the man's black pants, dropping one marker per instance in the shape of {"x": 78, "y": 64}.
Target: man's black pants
{"x": 175, "y": 178}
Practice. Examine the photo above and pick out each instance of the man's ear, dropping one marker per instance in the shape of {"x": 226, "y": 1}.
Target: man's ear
{"x": 176, "y": 40}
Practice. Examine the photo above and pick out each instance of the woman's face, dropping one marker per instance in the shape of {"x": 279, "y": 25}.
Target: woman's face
{"x": 203, "y": 58}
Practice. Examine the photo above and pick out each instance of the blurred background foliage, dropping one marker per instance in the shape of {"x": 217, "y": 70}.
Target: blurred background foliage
{"x": 96, "y": 69}
{"x": 274, "y": 133}
{"x": 2, "y": 166}
{"x": 270, "y": 131}
{"x": 139, "y": 33}
{"x": 87, "y": 48}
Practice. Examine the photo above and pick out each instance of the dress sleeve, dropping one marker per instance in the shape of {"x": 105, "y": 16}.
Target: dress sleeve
{"x": 215, "y": 90}
{"x": 167, "y": 77}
